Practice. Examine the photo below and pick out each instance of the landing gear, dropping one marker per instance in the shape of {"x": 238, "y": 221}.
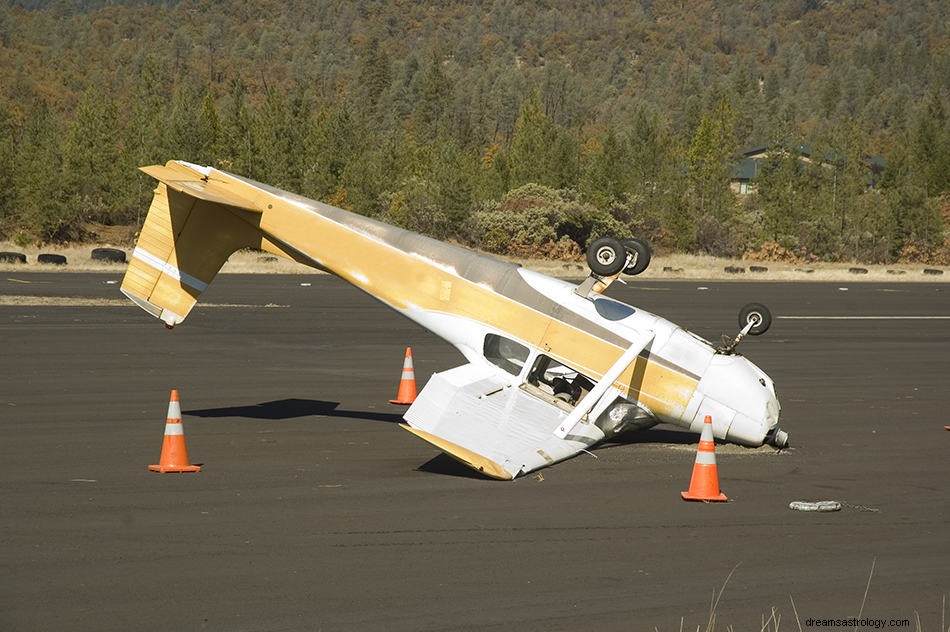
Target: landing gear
{"x": 754, "y": 319}
{"x": 758, "y": 315}
{"x": 607, "y": 257}
{"x": 639, "y": 253}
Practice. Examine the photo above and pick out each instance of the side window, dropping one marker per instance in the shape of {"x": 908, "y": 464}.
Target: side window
{"x": 561, "y": 381}
{"x": 505, "y": 353}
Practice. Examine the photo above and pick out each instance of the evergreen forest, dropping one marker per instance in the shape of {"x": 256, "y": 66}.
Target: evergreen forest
{"x": 523, "y": 128}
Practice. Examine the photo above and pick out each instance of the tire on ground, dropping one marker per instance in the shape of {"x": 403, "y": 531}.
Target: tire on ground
{"x": 112, "y": 255}
{"x": 12, "y": 257}
{"x": 53, "y": 259}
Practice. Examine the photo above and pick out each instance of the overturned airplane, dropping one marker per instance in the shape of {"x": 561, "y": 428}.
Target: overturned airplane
{"x": 552, "y": 369}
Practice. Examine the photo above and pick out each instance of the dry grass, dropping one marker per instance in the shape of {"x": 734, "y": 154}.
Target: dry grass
{"x": 686, "y": 267}
{"x": 772, "y": 621}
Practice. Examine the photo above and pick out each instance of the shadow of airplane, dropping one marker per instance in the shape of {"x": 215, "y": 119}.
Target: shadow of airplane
{"x": 293, "y": 408}
{"x": 650, "y": 436}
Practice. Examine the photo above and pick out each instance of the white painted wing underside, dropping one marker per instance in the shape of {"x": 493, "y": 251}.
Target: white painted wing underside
{"x": 476, "y": 408}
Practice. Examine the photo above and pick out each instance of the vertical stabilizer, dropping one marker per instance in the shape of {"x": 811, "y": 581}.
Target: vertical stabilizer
{"x": 183, "y": 244}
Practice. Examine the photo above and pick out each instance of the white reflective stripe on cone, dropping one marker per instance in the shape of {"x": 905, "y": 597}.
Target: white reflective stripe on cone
{"x": 705, "y": 458}
{"x": 174, "y": 428}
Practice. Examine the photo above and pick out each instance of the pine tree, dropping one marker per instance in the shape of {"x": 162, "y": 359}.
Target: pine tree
{"x": 538, "y": 154}
{"x": 710, "y": 156}
{"x": 91, "y": 161}
{"x": 237, "y": 149}
{"x": 931, "y": 147}
{"x": 7, "y": 162}
{"x": 435, "y": 94}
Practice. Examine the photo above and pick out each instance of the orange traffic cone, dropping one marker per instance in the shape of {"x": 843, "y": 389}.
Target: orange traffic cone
{"x": 704, "y": 484}
{"x": 407, "y": 385}
{"x": 174, "y": 453}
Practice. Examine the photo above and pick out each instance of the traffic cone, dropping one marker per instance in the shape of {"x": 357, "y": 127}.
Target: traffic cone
{"x": 407, "y": 384}
{"x": 174, "y": 453}
{"x": 704, "y": 484}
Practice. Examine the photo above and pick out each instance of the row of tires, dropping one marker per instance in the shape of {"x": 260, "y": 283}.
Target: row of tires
{"x": 108, "y": 255}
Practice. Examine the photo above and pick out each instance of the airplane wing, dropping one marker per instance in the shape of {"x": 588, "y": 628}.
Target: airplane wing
{"x": 487, "y": 421}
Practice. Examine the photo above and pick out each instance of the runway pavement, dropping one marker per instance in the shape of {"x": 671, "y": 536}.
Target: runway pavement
{"x": 315, "y": 511}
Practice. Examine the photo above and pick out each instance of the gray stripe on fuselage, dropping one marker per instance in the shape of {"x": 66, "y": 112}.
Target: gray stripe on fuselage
{"x": 501, "y": 276}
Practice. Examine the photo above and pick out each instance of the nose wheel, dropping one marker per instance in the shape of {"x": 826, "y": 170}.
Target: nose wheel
{"x": 756, "y": 317}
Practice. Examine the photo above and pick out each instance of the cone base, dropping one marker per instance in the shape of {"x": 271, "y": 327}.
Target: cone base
{"x": 721, "y": 498}
{"x": 168, "y": 469}
{"x": 400, "y": 402}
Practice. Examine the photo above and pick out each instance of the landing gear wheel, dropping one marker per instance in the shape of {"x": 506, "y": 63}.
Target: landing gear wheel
{"x": 641, "y": 255}
{"x": 606, "y": 257}
{"x": 757, "y": 314}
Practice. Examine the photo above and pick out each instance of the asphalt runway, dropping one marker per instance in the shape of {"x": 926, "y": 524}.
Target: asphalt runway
{"x": 315, "y": 511}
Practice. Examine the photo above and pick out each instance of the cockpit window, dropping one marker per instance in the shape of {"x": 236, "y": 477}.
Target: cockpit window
{"x": 563, "y": 382}
{"x": 505, "y": 353}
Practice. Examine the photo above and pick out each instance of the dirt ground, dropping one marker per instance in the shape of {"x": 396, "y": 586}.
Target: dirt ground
{"x": 78, "y": 259}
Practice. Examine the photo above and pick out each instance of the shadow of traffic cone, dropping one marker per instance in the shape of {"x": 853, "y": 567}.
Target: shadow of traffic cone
{"x": 407, "y": 384}
{"x": 174, "y": 453}
{"x": 704, "y": 484}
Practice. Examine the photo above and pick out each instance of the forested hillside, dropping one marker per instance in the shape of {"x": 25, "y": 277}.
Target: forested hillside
{"x": 518, "y": 127}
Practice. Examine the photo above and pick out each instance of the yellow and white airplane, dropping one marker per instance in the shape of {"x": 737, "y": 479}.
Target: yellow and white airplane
{"x": 552, "y": 369}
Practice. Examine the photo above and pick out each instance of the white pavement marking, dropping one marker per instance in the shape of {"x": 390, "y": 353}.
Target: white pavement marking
{"x": 863, "y": 317}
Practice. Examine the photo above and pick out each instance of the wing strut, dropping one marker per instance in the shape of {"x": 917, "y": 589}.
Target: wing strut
{"x": 593, "y": 396}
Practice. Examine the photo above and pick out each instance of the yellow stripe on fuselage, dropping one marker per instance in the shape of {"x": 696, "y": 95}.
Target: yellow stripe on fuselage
{"x": 401, "y": 278}
{"x": 384, "y": 261}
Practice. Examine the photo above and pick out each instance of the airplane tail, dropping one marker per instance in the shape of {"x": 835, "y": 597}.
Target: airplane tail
{"x": 193, "y": 225}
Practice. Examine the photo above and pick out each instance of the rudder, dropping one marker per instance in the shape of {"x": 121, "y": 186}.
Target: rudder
{"x": 183, "y": 244}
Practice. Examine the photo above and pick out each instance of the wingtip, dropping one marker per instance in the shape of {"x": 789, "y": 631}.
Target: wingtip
{"x": 473, "y": 460}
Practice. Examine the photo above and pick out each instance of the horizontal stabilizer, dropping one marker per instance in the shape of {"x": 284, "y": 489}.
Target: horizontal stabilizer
{"x": 202, "y": 183}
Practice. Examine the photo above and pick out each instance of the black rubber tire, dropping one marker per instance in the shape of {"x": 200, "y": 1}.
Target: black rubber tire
{"x": 641, "y": 252}
{"x": 12, "y": 257}
{"x": 606, "y": 257}
{"x": 759, "y": 312}
{"x": 56, "y": 260}
{"x": 112, "y": 255}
